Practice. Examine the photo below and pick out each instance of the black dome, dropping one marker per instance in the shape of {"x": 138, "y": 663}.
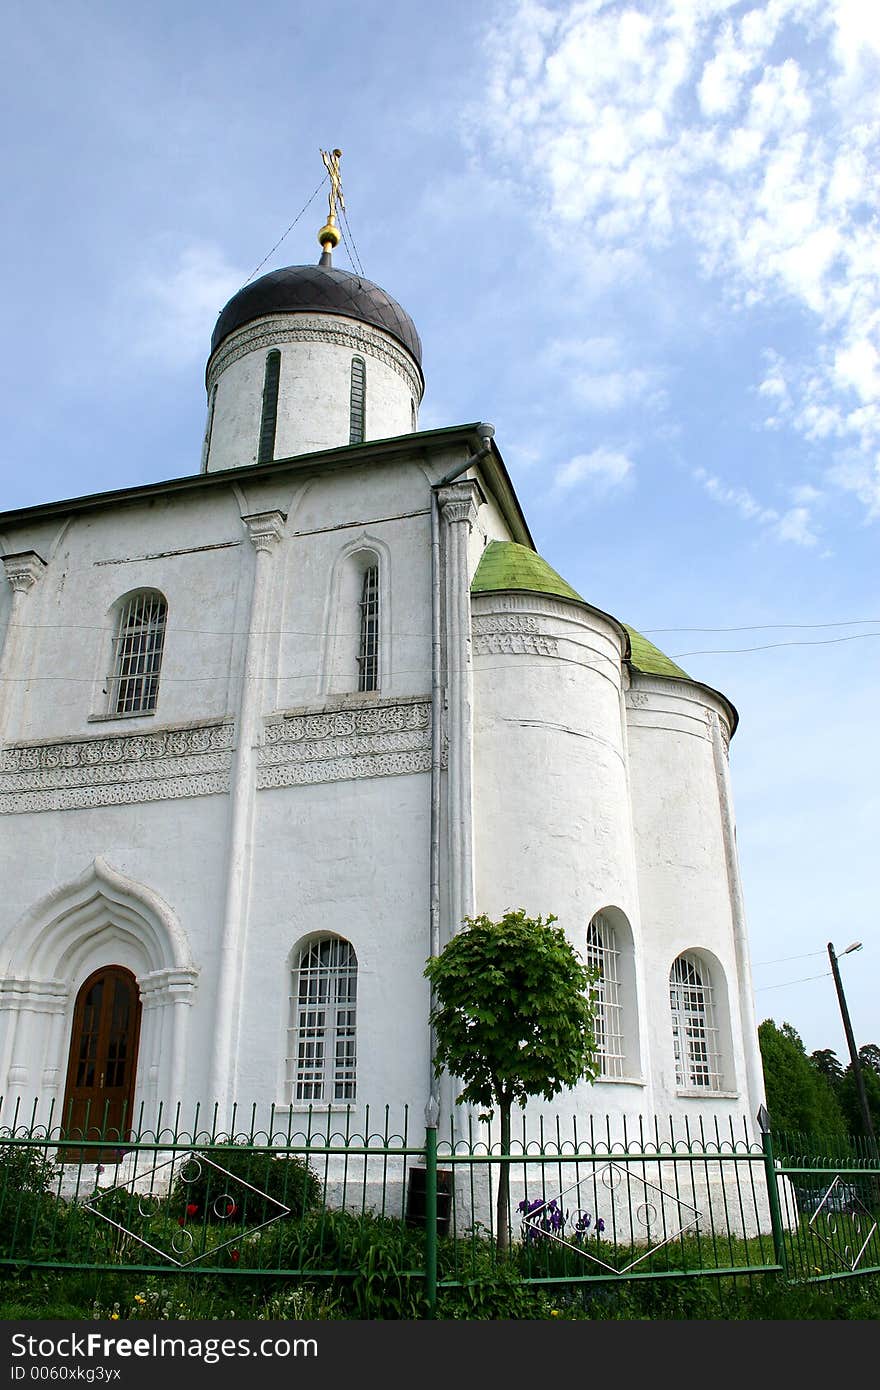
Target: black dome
{"x": 318, "y": 289}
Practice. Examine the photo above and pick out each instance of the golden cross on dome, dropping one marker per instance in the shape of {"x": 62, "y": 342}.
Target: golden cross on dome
{"x": 329, "y": 235}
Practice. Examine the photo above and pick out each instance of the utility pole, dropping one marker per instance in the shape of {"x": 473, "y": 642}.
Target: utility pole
{"x": 851, "y": 1043}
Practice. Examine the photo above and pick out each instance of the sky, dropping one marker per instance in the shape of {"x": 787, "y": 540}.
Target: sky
{"x": 638, "y": 236}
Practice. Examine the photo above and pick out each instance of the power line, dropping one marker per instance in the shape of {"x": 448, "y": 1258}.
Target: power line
{"x": 356, "y": 260}
{"x": 761, "y": 627}
{"x": 289, "y": 229}
{"x": 805, "y": 956}
{"x": 785, "y": 984}
{"x": 768, "y": 646}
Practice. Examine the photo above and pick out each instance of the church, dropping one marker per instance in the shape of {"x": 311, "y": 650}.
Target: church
{"x": 270, "y": 731}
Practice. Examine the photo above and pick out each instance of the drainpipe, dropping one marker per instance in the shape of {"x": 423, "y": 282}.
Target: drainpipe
{"x": 486, "y": 433}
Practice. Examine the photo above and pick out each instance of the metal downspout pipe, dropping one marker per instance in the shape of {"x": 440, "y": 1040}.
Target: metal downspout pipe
{"x": 486, "y": 433}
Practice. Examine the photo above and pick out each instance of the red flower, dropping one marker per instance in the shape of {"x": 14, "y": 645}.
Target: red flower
{"x": 234, "y": 1256}
{"x": 231, "y": 1209}
{"x": 191, "y": 1209}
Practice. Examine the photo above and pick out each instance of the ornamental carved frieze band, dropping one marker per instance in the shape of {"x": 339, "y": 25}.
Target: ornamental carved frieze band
{"x": 385, "y": 741}
{"x": 379, "y": 719}
{"x": 344, "y": 769}
{"x": 515, "y": 644}
{"x": 493, "y": 624}
{"x": 116, "y": 770}
{"x": 305, "y": 328}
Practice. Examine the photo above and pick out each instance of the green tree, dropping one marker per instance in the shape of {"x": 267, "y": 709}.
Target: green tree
{"x": 869, "y": 1056}
{"x": 829, "y": 1064}
{"x": 848, "y": 1093}
{"x": 799, "y": 1096}
{"x": 513, "y": 1015}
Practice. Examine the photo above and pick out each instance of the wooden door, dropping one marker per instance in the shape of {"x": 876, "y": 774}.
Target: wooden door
{"x": 103, "y": 1059}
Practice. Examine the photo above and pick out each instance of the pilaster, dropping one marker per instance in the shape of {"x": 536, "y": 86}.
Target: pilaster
{"x": 22, "y": 571}
{"x": 264, "y": 530}
{"x": 459, "y": 503}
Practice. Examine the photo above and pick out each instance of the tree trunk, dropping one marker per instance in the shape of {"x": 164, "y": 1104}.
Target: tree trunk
{"x": 502, "y": 1206}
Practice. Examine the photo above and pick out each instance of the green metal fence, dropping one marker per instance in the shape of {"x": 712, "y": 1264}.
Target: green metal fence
{"x": 319, "y": 1199}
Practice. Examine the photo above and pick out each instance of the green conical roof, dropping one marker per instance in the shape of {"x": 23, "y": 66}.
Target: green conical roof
{"x": 644, "y": 656}
{"x": 506, "y": 565}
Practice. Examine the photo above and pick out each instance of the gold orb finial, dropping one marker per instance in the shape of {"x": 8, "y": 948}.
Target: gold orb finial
{"x": 329, "y": 237}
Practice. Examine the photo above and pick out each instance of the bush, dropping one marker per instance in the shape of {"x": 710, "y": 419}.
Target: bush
{"x": 208, "y": 1194}
{"x": 27, "y": 1204}
{"x": 379, "y": 1253}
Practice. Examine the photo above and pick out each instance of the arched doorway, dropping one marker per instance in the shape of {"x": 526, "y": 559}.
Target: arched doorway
{"x": 103, "y": 1057}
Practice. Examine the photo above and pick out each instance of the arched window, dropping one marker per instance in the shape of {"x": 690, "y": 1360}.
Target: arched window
{"x": 269, "y": 417}
{"x": 358, "y": 400}
{"x": 133, "y": 683}
{"x": 368, "y": 645}
{"x": 694, "y": 1029}
{"x": 322, "y": 1038}
{"x": 357, "y": 648}
{"x": 209, "y": 427}
{"x": 602, "y": 956}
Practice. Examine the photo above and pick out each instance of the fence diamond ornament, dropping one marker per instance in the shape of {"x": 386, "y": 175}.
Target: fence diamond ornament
{"x": 656, "y": 1208}
{"x": 179, "y": 1230}
{"x": 840, "y": 1221}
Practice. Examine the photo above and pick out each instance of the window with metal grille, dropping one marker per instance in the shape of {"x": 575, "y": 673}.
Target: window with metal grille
{"x": 694, "y": 1034}
{"x": 368, "y": 646}
{"x": 133, "y": 684}
{"x": 269, "y": 417}
{"x": 358, "y": 400}
{"x": 602, "y": 956}
{"x": 209, "y": 427}
{"x": 322, "y": 1041}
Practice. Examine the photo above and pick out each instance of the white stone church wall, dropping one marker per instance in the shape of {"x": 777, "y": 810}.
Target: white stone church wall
{"x": 683, "y": 883}
{"x": 349, "y": 857}
{"x": 340, "y": 824}
{"x": 554, "y": 830}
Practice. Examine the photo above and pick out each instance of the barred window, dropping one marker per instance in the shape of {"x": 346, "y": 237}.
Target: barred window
{"x": 368, "y": 646}
{"x": 269, "y": 416}
{"x": 358, "y": 400}
{"x": 602, "y": 956}
{"x": 133, "y": 684}
{"x": 694, "y": 1032}
{"x": 209, "y": 427}
{"x": 322, "y": 1041}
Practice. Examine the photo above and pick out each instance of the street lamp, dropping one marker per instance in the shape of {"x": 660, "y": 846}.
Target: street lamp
{"x": 851, "y": 1042}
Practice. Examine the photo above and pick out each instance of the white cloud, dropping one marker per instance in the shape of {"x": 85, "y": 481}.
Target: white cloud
{"x": 180, "y": 303}
{"x": 749, "y": 136}
{"x": 794, "y": 525}
{"x": 737, "y": 497}
{"x": 857, "y": 365}
{"x": 596, "y": 374}
{"x": 861, "y": 476}
{"x": 805, "y": 494}
{"x": 604, "y": 470}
